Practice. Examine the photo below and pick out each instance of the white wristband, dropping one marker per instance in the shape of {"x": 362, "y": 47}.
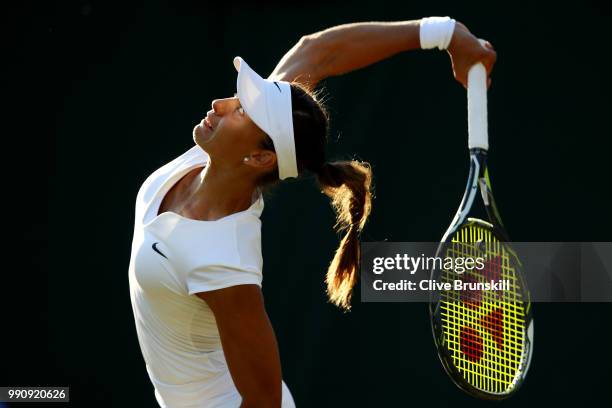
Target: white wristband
{"x": 436, "y": 32}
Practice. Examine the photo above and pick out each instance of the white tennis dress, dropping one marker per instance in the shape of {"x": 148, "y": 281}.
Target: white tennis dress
{"x": 172, "y": 258}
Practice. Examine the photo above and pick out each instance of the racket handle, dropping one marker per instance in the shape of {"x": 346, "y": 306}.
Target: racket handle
{"x": 478, "y": 136}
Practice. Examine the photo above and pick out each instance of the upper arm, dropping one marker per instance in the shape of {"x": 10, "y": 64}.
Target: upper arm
{"x": 248, "y": 341}
{"x": 302, "y": 63}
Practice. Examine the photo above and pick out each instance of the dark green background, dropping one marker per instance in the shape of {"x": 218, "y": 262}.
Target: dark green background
{"x": 102, "y": 93}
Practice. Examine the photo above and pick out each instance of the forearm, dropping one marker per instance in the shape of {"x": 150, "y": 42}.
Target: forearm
{"x": 345, "y": 48}
{"x": 348, "y": 47}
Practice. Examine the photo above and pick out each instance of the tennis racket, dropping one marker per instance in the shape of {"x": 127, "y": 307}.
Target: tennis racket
{"x": 484, "y": 338}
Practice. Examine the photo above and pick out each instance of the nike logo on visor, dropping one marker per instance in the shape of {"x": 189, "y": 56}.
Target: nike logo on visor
{"x": 279, "y": 90}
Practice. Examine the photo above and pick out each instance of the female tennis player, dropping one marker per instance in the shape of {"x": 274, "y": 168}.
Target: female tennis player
{"x": 196, "y": 266}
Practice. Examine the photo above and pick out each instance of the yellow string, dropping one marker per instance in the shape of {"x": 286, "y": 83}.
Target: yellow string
{"x": 497, "y": 370}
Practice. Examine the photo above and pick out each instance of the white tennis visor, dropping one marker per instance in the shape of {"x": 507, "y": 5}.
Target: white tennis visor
{"x": 268, "y": 104}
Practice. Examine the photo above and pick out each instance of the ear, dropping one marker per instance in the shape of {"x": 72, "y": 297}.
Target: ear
{"x": 262, "y": 159}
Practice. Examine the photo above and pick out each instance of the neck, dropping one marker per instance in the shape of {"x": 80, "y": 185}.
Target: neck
{"x": 218, "y": 192}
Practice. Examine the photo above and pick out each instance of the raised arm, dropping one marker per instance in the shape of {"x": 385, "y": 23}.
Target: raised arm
{"x": 344, "y": 48}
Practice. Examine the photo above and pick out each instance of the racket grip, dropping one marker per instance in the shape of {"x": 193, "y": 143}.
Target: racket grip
{"x": 478, "y": 136}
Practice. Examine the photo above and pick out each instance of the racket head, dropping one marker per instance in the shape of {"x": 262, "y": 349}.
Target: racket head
{"x": 484, "y": 338}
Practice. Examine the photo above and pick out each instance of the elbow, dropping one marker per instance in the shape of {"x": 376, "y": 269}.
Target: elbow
{"x": 311, "y": 43}
{"x": 306, "y": 41}
{"x": 314, "y": 50}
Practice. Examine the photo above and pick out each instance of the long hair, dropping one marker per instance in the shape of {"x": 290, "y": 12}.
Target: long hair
{"x": 346, "y": 183}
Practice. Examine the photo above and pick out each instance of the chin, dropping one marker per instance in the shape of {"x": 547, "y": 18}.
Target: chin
{"x": 204, "y": 138}
{"x": 199, "y": 135}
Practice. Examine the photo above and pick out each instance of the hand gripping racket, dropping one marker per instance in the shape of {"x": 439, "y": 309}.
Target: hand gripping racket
{"x": 484, "y": 337}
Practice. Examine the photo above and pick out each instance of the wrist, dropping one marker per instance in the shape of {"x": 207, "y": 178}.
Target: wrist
{"x": 458, "y": 36}
{"x": 436, "y": 32}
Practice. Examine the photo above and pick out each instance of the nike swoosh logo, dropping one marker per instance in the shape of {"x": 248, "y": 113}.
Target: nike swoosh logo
{"x": 154, "y": 246}
{"x": 279, "y": 90}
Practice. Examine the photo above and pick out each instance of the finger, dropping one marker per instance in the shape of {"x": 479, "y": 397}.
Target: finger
{"x": 461, "y": 80}
{"x": 489, "y": 61}
{"x": 487, "y": 44}
{"x": 489, "y": 66}
{"x": 490, "y": 54}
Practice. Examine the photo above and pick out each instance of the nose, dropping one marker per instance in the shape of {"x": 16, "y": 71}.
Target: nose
{"x": 220, "y": 106}
{"x": 217, "y": 106}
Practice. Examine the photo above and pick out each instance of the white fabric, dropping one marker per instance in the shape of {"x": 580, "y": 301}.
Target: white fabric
{"x": 478, "y": 134}
{"x": 172, "y": 258}
{"x": 436, "y": 32}
{"x": 268, "y": 104}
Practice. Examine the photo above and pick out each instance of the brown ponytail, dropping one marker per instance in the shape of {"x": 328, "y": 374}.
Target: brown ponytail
{"x": 347, "y": 184}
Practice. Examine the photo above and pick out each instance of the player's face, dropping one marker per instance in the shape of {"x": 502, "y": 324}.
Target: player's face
{"x": 227, "y": 132}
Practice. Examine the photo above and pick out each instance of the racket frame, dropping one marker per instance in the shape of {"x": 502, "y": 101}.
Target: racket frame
{"x": 478, "y": 184}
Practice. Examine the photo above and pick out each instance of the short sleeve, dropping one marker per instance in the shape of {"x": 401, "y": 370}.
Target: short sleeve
{"x": 215, "y": 277}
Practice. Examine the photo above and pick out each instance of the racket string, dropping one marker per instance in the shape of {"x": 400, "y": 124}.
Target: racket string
{"x": 484, "y": 330}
